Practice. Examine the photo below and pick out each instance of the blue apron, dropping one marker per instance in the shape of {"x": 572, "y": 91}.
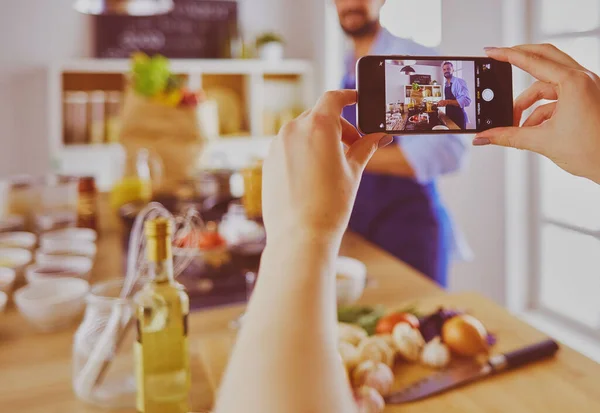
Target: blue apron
{"x": 402, "y": 217}
{"x": 455, "y": 113}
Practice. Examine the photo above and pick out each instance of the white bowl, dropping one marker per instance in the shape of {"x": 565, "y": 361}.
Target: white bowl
{"x": 351, "y": 278}
{"x": 80, "y": 234}
{"x": 25, "y": 240}
{"x": 67, "y": 247}
{"x": 7, "y": 279}
{"x": 3, "y": 300}
{"x": 15, "y": 258}
{"x": 52, "y": 304}
{"x": 59, "y": 267}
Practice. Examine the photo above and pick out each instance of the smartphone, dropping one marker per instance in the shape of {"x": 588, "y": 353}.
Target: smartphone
{"x": 432, "y": 94}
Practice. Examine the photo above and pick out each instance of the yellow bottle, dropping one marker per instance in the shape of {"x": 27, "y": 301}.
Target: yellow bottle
{"x": 161, "y": 350}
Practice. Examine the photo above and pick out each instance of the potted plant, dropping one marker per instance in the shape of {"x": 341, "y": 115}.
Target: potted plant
{"x": 270, "y": 46}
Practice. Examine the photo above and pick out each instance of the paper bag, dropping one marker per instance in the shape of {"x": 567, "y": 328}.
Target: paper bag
{"x": 172, "y": 133}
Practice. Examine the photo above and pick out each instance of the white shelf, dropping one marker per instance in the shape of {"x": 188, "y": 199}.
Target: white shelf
{"x": 192, "y": 66}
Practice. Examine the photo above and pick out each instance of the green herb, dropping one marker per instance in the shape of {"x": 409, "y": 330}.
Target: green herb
{"x": 268, "y": 38}
{"x": 150, "y": 76}
{"x": 363, "y": 316}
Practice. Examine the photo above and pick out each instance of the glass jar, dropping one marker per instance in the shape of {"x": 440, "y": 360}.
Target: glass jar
{"x": 76, "y": 117}
{"x": 97, "y": 116}
{"x": 113, "y": 115}
{"x": 252, "y": 198}
{"x": 103, "y": 362}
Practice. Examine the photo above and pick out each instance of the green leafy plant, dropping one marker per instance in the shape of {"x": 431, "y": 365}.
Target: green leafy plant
{"x": 269, "y": 37}
{"x": 150, "y": 75}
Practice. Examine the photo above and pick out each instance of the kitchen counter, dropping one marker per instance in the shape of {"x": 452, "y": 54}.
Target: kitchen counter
{"x": 35, "y": 368}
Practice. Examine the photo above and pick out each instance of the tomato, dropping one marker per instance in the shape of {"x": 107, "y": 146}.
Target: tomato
{"x": 386, "y": 324}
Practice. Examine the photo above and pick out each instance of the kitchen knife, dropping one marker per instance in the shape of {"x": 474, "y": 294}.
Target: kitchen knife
{"x": 471, "y": 371}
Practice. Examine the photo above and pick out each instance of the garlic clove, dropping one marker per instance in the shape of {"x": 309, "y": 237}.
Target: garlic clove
{"x": 376, "y": 375}
{"x": 435, "y": 354}
{"x": 369, "y": 400}
{"x": 408, "y": 341}
{"x": 376, "y": 349}
{"x": 351, "y": 333}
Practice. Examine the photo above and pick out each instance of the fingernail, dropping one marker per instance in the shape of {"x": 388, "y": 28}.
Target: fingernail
{"x": 385, "y": 141}
{"x": 481, "y": 141}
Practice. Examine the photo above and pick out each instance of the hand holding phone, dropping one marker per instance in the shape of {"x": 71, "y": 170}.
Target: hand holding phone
{"x": 429, "y": 95}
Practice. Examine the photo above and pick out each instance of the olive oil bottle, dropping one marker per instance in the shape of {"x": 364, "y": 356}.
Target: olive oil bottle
{"x": 161, "y": 349}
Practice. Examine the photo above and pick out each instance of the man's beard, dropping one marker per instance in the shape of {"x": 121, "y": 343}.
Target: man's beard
{"x": 448, "y": 75}
{"x": 366, "y": 29}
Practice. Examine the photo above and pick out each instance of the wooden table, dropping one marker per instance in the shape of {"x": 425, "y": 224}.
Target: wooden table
{"x": 35, "y": 368}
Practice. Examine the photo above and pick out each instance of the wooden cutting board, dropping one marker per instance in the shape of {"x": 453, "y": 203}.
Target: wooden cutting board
{"x": 565, "y": 384}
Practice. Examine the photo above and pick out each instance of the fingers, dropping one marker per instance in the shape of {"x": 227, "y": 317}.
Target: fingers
{"x": 538, "y": 91}
{"x": 536, "y": 65}
{"x": 361, "y": 151}
{"x": 511, "y": 137}
{"x": 540, "y": 114}
{"x": 332, "y": 102}
{"x": 349, "y": 133}
{"x": 550, "y": 52}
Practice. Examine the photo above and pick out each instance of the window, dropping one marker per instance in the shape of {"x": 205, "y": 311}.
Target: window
{"x": 421, "y": 22}
{"x": 566, "y": 215}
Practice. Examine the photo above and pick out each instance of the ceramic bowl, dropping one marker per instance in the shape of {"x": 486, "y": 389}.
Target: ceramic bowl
{"x": 67, "y": 247}
{"x": 51, "y": 305}
{"x": 59, "y": 267}
{"x": 7, "y": 279}
{"x": 25, "y": 240}
{"x": 3, "y": 301}
{"x": 351, "y": 278}
{"x": 15, "y": 258}
{"x": 80, "y": 234}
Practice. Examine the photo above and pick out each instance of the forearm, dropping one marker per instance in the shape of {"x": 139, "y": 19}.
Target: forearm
{"x": 289, "y": 334}
{"x": 453, "y": 102}
{"x": 390, "y": 161}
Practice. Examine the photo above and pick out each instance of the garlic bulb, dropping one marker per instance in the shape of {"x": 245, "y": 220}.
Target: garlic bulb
{"x": 349, "y": 353}
{"x": 376, "y": 349}
{"x": 376, "y": 375}
{"x": 408, "y": 341}
{"x": 351, "y": 333}
{"x": 387, "y": 338}
{"x": 435, "y": 354}
{"x": 369, "y": 400}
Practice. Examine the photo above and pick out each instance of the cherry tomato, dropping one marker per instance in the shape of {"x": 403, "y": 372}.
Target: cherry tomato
{"x": 386, "y": 324}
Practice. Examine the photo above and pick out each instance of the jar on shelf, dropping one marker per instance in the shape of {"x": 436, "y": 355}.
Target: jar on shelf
{"x": 252, "y": 198}
{"x": 97, "y": 101}
{"x": 75, "y": 117}
{"x": 113, "y": 115}
{"x": 86, "y": 205}
{"x": 103, "y": 361}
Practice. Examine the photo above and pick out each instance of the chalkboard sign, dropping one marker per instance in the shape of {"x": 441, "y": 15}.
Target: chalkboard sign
{"x": 420, "y": 79}
{"x": 194, "y": 29}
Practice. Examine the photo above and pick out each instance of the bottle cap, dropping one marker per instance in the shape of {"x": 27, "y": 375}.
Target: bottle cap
{"x": 158, "y": 228}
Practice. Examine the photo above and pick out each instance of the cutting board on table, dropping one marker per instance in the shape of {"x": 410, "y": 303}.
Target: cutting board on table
{"x": 565, "y": 384}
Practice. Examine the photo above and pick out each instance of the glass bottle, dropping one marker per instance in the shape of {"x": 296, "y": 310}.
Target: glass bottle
{"x": 87, "y": 216}
{"x": 161, "y": 351}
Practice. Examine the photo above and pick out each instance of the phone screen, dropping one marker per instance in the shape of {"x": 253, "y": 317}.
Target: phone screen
{"x": 421, "y": 95}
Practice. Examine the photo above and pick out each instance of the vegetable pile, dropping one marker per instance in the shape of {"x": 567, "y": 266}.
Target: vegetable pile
{"x": 151, "y": 77}
{"x": 371, "y": 342}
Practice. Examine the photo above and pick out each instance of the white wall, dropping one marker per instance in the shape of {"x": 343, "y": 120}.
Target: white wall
{"x": 476, "y": 196}
{"x": 395, "y": 81}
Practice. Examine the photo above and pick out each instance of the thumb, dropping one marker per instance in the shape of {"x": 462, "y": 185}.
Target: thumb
{"x": 361, "y": 151}
{"x": 510, "y": 137}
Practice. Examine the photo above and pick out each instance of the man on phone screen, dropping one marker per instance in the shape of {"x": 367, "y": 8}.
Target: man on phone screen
{"x": 398, "y": 206}
{"x": 456, "y": 96}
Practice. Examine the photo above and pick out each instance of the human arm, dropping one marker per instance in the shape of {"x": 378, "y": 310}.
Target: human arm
{"x": 566, "y": 130}
{"x": 422, "y": 157}
{"x": 461, "y": 93}
{"x": 286, "y": 358}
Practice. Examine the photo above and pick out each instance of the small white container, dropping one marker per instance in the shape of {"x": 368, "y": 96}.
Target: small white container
{"x": 68, "y": 247}
{"x": 59, "y": 267}
{"x": 7, "y": 279}
{"x": 25, "y": 240}
{"x": 3, "y": 301}
{"x": 351, "y": 278}
{"x": 79, "y": 234}
{"x": 271, "y": 51}
{"x": 15, "y": 258}
{"x": 51, "y": 305}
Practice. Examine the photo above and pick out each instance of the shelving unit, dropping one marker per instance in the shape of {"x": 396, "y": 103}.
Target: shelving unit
{"x": 258, "y": 85}
{"x": 434, "y": 89}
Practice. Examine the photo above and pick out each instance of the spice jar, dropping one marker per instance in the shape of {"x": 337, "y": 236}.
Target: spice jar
{"x": 113, "y": 116}
{"x": 76, "y": 117}
{"x": 86, "y": 206}
{"x": 252, "y": 198}
{"x": 97, "y": 101}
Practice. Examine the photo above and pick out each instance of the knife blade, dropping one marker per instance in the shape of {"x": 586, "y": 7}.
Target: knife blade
{"x": 468, "y": 372}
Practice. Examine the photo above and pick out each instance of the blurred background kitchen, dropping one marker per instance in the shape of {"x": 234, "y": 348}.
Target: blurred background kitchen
{"x": 64, "y": 111}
